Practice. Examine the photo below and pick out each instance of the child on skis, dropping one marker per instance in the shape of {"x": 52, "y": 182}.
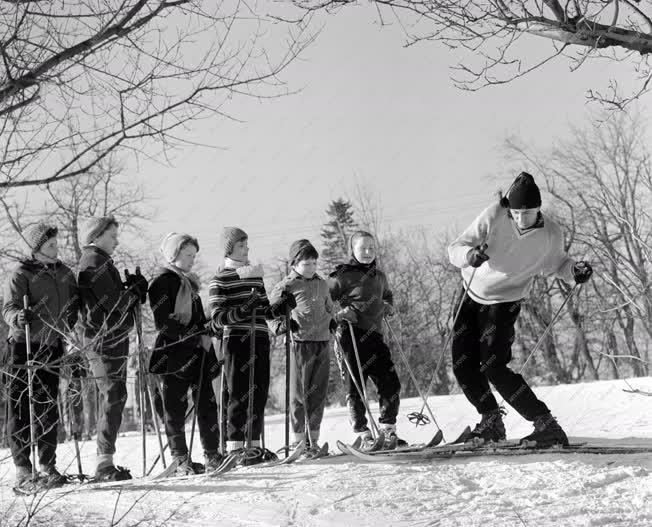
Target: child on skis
{"x": 310, "y": 323}
{"x": 52, "y": 313}
{"x": 364, "y": 297}
{"x": 183, "y": 355}
{"x": 499, "y": 254}
{"x": 237, "y": 292}
{"x": 107, "y": 318}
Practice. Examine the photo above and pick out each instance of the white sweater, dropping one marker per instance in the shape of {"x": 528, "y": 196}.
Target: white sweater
{"x": 514, "y": 258}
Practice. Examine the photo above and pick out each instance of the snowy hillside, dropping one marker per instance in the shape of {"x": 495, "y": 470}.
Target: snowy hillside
{"x": 539, "y": 490}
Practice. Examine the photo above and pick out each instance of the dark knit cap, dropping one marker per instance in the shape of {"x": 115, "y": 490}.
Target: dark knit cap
{"x": 302, "y": 250}
{"x": 231, "y": 236}
{"x": 36, "y": 235}
{"x": 524, "y": 193}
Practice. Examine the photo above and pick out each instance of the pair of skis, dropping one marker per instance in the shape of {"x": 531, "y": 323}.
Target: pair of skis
{"x": 378, "y": 447}
{"x": 299, "y": 454}
{"x": 460, "y": 448}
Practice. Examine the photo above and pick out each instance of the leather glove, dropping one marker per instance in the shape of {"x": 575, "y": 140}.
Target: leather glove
{"x": 251, "y": 303}
{"x": 332, "y": 325}
{"x": 137, "y": 284}
{"x": 290, "y": 300}
{"x": 582, "y": 271}
{"x": 476, "y": 256}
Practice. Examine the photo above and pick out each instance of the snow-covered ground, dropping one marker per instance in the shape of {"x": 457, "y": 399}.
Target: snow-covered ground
{"x": 538, "y": 490}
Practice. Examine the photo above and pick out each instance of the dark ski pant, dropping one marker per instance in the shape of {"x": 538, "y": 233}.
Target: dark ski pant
{"x": 108, "y": 365}
{"x": 45, "y": 386}
{"x": 175, "y": 404}
{"x": 482, "y": 349}
{"x": 236, "y": 365}
{"x": 377, "y": 364}
{"x": 309, "y": 369}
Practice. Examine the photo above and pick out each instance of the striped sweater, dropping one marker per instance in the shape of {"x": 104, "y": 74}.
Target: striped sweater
{"x": 226, "y": 293}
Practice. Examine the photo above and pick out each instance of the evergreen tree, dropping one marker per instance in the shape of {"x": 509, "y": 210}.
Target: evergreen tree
{"x": 335, "y": 234}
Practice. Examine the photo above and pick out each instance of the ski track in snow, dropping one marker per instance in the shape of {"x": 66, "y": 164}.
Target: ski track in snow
{"x": 536, "y": 490}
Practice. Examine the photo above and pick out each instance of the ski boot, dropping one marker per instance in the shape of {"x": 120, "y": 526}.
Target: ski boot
{"x": 51, "y": 477}
{"x": 490, "y": 428}
{"x": 111, "y": 473}
{"x": 255, "y": 455}
{"x": 547, "y": 432}
{"x": 184, "y": 466}
{"x": 390, "y": 439}
{"x": 23, "y": 478}
{"x": 366, "y": 443}
{"x": 25, "y": 484}
{"x": 212, "y": 461}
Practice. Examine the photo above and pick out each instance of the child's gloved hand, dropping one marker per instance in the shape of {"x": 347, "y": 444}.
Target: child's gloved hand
{"x": 348, "y": 314}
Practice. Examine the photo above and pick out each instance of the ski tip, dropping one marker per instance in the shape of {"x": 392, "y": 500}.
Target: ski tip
{"x": 438, "y": 438}
{"x": 342, "y": 447}
{"x": 463, "y": 437}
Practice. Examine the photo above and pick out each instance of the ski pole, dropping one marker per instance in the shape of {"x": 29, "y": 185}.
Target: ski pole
{"x": 74, "y": 433}
{"x": 349, "y": 369}
{"x": 449, "y": 337}
{"x": 411, "y": 372}
{"x": 141, "y": 397}
{"x": 362, "y": 379}
{"x": 288, "y": 342}
{"x": 30, "y": 389}
{"x": 221, "y": 408}
{"x": 306, "y": 419}
{"x": 549, "y": 327}
{"x": 252, "y": 359}
{"x": 197, "y": 398}
{"x": 152, "y": 405}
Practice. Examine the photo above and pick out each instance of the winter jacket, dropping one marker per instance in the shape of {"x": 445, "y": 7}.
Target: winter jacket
{"x": 175, "y": 342}
{"x": 314, "y": 309}
{"x": 515, "y": 258}
{"x": 366, "y": 290}
{"x": 53, "y": 297}
{"x": 106, "y": 304}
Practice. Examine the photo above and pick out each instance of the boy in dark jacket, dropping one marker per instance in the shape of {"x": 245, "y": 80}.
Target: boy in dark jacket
{"x": 364, "y": 296}
{"x": 235, "y": 292}
{"x": 183, "y": 355}
{"x": 310, "y": 324}
{"x": 52, "y": 314}
{"x": 107, "y": 318}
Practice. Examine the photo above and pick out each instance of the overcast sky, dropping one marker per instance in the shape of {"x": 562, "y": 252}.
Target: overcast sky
{"x": 369, "y": 111}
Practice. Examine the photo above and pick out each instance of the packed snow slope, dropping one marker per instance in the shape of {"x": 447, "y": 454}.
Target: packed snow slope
{"x": 551, "y": 489}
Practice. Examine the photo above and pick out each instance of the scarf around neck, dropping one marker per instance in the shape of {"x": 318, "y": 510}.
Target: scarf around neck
{"x": 244, "y": 269}
{"x": 183, "y": 302}
{"x": 369, "y": 269}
